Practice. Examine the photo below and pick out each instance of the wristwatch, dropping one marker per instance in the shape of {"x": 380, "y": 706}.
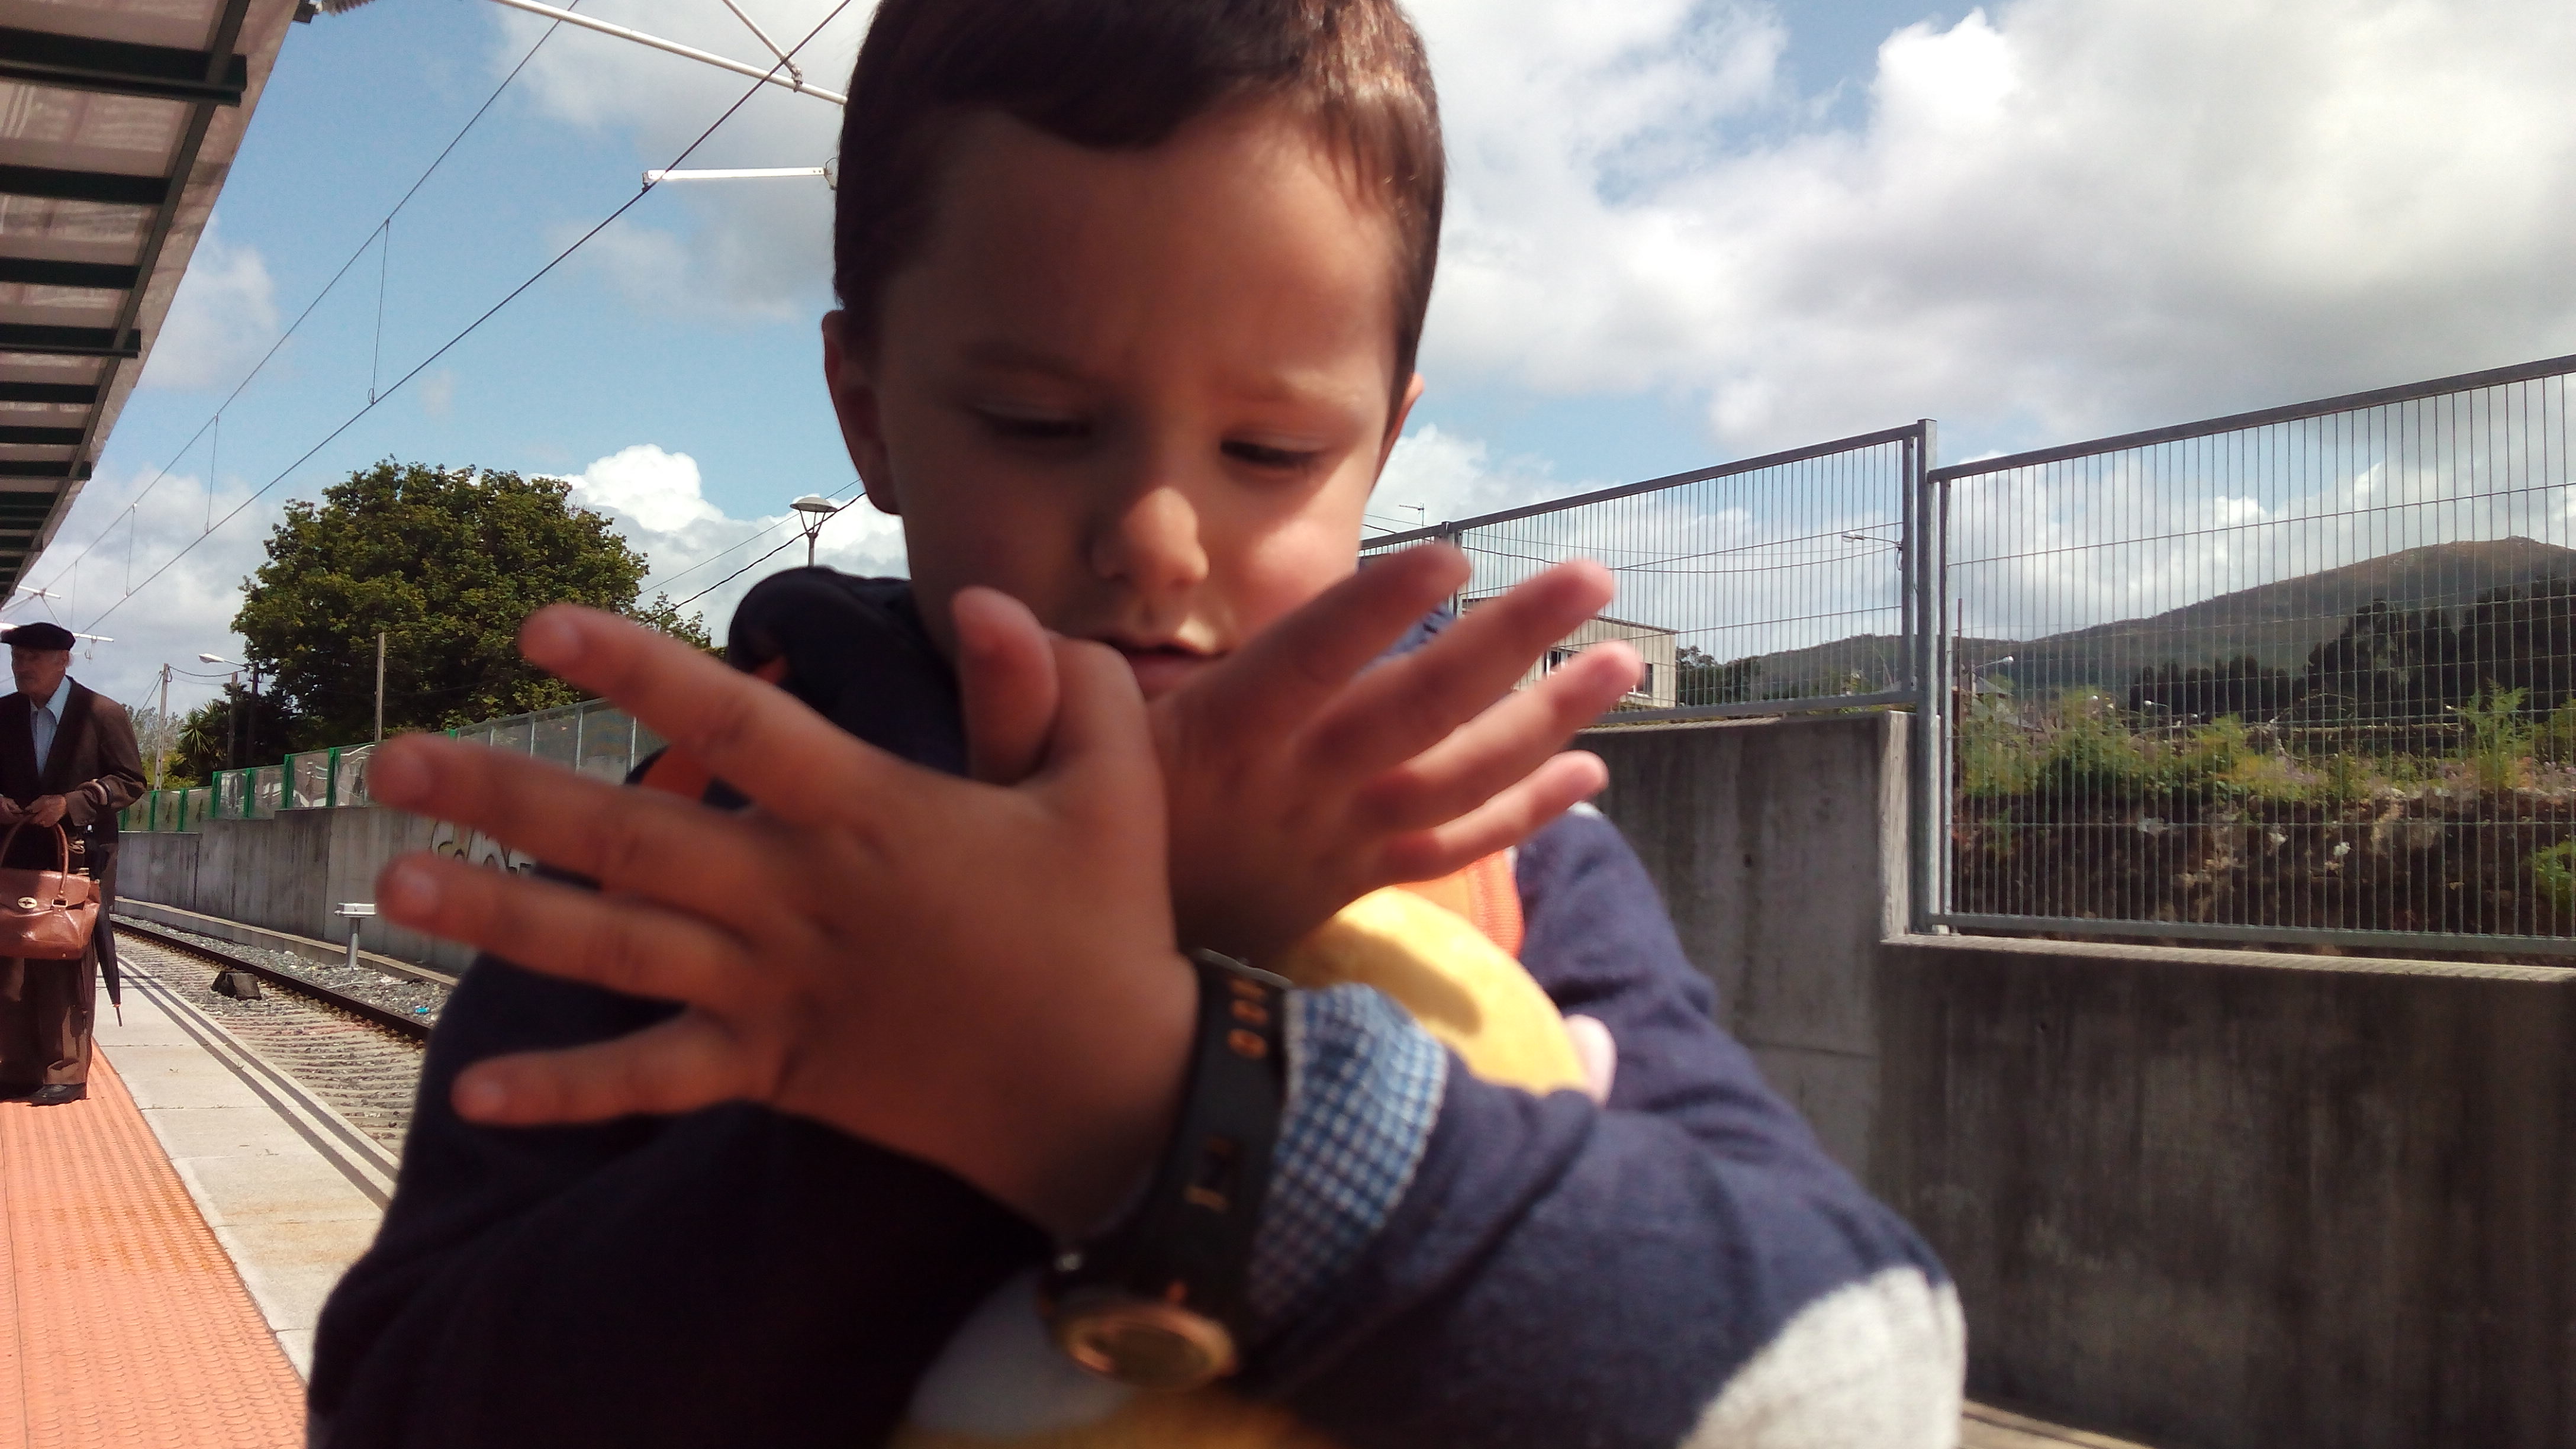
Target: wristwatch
{"x": 1158, "y": 1300}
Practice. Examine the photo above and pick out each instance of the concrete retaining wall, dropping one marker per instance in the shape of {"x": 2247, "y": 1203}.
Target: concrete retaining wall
{"x": 2231, "y": 1199}
{"x": 1779, "y": 847}
{"x": 2205, "y": 1199}
{"x": 288, "y": 873}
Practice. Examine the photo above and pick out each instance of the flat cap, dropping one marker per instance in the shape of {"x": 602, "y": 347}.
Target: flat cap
{"x": 38, "y": 636}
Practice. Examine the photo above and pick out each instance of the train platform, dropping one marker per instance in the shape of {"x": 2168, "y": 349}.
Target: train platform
{"x": 166, "y": 1244}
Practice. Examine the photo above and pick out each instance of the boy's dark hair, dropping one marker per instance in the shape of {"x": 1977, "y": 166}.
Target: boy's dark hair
{"x": 1126, "y": 74}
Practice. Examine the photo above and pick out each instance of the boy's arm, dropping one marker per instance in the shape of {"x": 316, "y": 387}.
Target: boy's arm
{"x": 733, "y": 1275}
{"x": 1683, "y": 1268}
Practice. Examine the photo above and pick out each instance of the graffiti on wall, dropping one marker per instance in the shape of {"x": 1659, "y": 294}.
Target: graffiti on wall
{"x": 476, "y": 848}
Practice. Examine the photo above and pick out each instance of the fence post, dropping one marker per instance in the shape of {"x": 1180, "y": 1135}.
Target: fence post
{"x": 1931, "y": 745}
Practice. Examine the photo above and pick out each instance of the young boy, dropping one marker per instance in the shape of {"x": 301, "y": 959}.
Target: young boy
{"x": 808, "y": 1094}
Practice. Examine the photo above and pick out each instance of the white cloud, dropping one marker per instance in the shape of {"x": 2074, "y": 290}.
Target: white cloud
{"x": 709, "y": 559}
{"x": 438, "y": 394}
{"x": 1447, "y": 477}
{"x": 2059, "y": 217}
{"x": 756, "y": 250}
{"x": 223, "y": 318}
{"x": 656, "y": 491}
{"x": 187, "y": 611}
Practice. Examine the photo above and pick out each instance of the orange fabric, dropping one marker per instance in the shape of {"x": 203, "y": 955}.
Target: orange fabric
{"x": 1487, "y": 894}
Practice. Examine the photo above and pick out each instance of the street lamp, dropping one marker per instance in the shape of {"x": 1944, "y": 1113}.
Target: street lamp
{"x": 245, "y": 730}
{"x": 816, "y": 510}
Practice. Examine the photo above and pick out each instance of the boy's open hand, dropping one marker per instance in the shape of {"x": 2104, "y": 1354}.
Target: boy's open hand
{"x": 977, "y": 975}
{"x": 1301, "y": 779}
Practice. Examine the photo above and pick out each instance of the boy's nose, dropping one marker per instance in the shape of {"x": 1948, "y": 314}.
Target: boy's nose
{"x": 1153, "y": 546}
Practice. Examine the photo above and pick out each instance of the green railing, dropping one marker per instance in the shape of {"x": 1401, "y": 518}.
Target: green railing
{"x": 594, "y": 737}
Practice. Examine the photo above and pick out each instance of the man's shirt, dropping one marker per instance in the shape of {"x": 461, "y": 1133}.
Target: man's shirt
{"x": 44, "y": 717}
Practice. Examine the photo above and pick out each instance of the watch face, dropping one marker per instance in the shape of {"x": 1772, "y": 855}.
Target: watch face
{"x": 1141, "y": 1342}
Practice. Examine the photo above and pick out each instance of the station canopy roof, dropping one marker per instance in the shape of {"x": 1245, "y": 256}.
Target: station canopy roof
{"x": 119, "y": 120}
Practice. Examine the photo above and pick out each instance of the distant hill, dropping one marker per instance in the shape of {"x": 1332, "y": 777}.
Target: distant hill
{"x": 2277, "y": 623}
{"x": 1878, "y": 660}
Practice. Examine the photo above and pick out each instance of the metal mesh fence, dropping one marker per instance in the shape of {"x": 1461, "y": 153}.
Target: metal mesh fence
{"x": 1778, "y": 584}
{"x": 2307, "y": 674}
{"x": 594, "y": 737}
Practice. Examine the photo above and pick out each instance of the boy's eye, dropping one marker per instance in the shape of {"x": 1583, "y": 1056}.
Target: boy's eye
{"x": 1263, "y": 455}
{"x": 1023, "y": 428}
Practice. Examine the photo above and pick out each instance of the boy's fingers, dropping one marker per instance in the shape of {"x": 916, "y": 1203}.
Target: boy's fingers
{"x": 1290, "y": 670}
{"x": 1492, "y": 751}
{"x": 673, "y": 850}
{"x": 623, "y": 945}
{"x": 1500, "y": 823}
{"x": 1007, "y": 683}
{"x": 1101, "y": 735}
{"x": 680, "y": 1065}
{"x": 758, "y": 738}
{"x": 1397, "y": 712}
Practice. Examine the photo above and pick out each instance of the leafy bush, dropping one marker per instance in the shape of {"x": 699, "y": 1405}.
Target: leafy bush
{"x": 2498, "y": 746}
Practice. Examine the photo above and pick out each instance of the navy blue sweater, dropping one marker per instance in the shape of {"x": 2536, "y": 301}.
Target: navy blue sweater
{"x": 1682, "y": 1266}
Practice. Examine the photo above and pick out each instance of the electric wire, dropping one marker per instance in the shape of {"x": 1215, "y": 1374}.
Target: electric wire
{"x": 646, "y": 189}
{"x": 664, "y": 583}
{"x": 738, "y": 573}
{"x": 214, "y": 423}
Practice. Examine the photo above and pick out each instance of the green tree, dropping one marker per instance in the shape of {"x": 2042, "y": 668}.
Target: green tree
{"x": 199, "y": 751}
{"x": 445, "y": 563}
{"x": 1701, "y": 679}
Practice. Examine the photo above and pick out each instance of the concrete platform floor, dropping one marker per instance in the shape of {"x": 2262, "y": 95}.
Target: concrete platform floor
{"x": 291, "y": 1189}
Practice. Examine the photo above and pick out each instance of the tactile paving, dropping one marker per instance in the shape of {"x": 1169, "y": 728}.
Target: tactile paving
{"x": 126, "y": 1324}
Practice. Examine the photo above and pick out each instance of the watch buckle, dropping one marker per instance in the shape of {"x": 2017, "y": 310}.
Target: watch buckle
{"x": 1142, "y": 1342}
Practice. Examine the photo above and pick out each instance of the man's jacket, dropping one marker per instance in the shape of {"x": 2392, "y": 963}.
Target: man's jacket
{"x": 95, "y": 765}
{"x": 1446, "y": 1260}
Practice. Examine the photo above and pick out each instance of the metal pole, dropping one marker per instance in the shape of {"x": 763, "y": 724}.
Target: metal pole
{"x": 353, "y": 943}
{"x": 770, "y": 75}
{"x": 161, "y": 756}
{"x": 380, "y": 686}
{"x": 250, "y": 729}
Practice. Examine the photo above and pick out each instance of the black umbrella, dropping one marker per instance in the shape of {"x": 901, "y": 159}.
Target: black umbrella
{"x": 103, "y": 946}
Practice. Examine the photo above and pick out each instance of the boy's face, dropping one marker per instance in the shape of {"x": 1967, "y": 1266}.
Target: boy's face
{"x": 1144, "y": 392}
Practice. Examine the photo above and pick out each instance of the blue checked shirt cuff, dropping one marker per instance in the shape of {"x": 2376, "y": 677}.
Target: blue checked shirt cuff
{"x": 1364, "y": 1085}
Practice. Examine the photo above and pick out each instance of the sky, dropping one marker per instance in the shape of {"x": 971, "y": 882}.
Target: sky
{"x": 1679, "y": 233}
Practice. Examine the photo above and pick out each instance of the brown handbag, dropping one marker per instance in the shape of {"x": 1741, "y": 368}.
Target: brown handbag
{"x": 45, "y": 914}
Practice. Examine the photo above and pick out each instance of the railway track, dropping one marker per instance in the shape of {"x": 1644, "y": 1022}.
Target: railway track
{"x": 408, "y": 1026}
{"x": 360, "y": 1057}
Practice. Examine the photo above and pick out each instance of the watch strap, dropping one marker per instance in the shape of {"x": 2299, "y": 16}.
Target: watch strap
{"x": 1160, "y": 1299}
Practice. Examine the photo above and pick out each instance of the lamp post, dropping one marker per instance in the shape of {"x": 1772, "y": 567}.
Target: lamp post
{"x": 814, "y": 510}
{"x": 232, "y": 709}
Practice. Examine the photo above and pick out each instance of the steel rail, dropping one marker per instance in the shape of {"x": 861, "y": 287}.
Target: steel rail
{"x": 2263, "y": 418}
{"x": 1884, "y": 436}
{"x": 366, "y": 1011}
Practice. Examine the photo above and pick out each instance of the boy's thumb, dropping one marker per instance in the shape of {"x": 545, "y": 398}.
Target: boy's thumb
{"x": 1007, "y": 684}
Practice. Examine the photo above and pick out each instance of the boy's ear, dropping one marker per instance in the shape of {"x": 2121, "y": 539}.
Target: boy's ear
{"x": 1395, "y": 423}
{"x": 846, "y": 372}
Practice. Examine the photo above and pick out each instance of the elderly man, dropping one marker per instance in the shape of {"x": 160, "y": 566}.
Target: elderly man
{"x": 68, "y": 758}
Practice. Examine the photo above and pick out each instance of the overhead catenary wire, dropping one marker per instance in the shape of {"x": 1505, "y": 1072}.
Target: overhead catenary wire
{"x": 738, "y": 573}
{"x": 214, "y": 423}
{"x": 468, "y": 330}
{"x": 747, "y": 540}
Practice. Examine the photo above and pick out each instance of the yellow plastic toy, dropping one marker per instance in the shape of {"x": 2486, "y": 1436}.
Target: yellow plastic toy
{"x": 1444, "y": 951}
